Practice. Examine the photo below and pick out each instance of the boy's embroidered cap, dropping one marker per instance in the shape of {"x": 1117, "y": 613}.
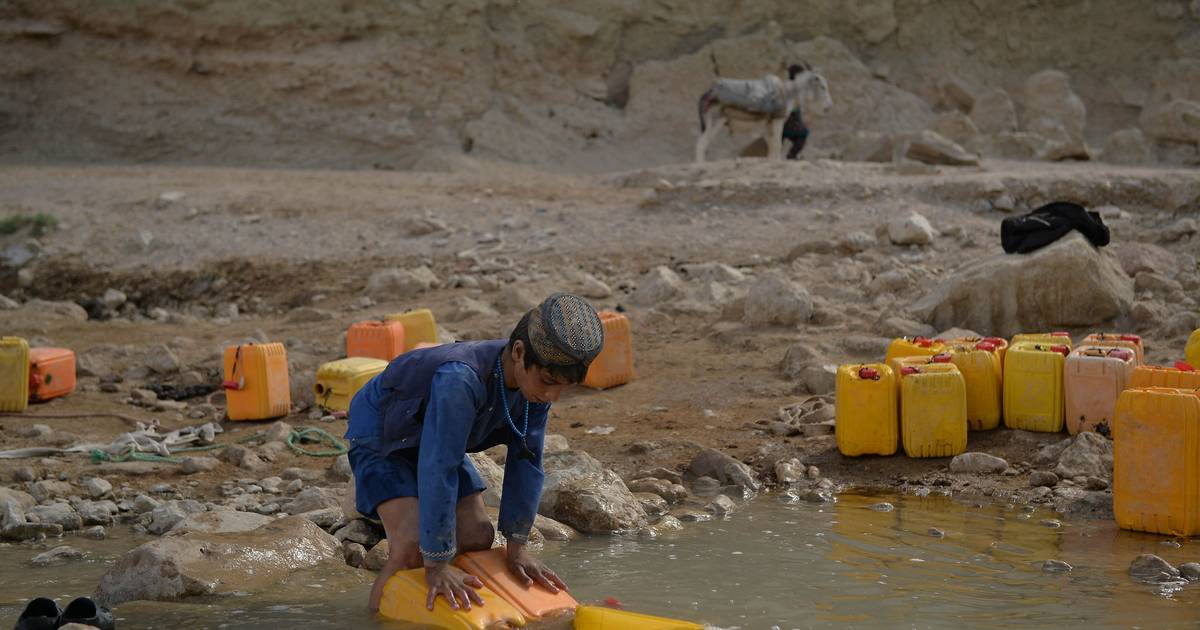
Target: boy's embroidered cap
{"x": 565, "y": 330}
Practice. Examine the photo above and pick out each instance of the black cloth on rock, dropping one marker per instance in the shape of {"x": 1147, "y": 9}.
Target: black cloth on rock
{"x": 1031, "y": 232}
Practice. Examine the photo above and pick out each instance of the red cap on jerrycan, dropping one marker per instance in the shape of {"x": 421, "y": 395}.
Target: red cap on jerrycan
{"x": 1060, "y": 334}
{"x": 1120, "y": 353}
{"x": 986, "y": 346}
{"x": 995, "y": 341}
{"x": 1184, "y": 366}
{"x": 868, "y": 374}
{"x": 940, "y": 358}
{"x": 1133, "y": 338}
{"x": 1063, "y": 350}
{"x": 922, "y": 342}
{"x": 909, "y": 370}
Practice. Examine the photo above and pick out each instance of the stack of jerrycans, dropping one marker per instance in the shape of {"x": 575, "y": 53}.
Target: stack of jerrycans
{"x": 1156, "y": 461}
{"x": 14, "y": 374}
{"x": 933, "y": 407}
{"x": 256, "y": 381}
{"x": 1033, "y": 385}
{"x": 980, "y": 365}
{"x": 1093, "y": 379}
{"x": 866, "y": 422}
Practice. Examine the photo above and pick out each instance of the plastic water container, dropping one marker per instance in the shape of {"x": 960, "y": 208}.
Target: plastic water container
{"x": 913, "y": 347}
{"x": 14, "y": 374}
{"x": 601, "y": 618}
{"x": 375, "y": 340}
{"x": 1159, "y": 376}
{"x": 979, "y": 364}
{"x": 614, "y": 365}
{"x": 419, "y": 326}
{"x": 1118, "y": 340}
{"x": 338, "y": 381}
{"x": 51, "y": 373}
{"x": 256, "y": 381}
{"x": 866, "y": 419}
{"x": 1050, "y": 338}
{"x": 404, "y": 600}
{"x": 1093, "y": 379}
{"x": 933, "y": 410}
{"x": 1156, "y": 461}
{"x": 1192, "y": 350}
{"x": 1033, "y": 386}
{"x": 534, "y": 602}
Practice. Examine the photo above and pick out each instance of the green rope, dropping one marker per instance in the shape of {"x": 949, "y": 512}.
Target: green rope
{"x": 305, "y": 434}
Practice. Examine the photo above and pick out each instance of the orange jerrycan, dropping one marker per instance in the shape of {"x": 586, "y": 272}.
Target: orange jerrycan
{"x": 1093, "y": 378}
{"x": 979, "y": 364}
{"x": 866, "y": 421}
{"x": 1156, "y": 461}
{"x": 51, "y": 373}
{"x": 1192, "y": 350}
{"x": 1050, "y": 338}
{"x": 614, "y": 365}
{"x": 913, "y": 347}
{"x": 933, "y": 410}
{"x": 1033, "y": 386}
{"x": 338, "y": 381}
{"x": 404, "y": 600}
{"x": 1118, "y": 340}
{"x": 14, "y": 374}
{"x": 601, "y": 618}
{"x": 375, "y": 340}
{"x": 419, "y": 326}
{"x": 1158, "y": 376}
{"x": 256, "y": 381}
{"x": 534, "y": 602}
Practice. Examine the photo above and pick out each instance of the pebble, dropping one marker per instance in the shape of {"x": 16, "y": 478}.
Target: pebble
{"x": 1056, "y": 566}
{"x": 936, "y": 533}
{"x": 57, "y": 554}
{"x": 296, "y": 485}
{"x": 161, "y": 488}
{"x": 882, "y": 507}
{"x": 1171, "y": 544}
{"x": 24, "y": 473}
{"x": 1096, "y": 484}
{"x": 95, "y": 533}
{"x": 1190, "y": 571}
{"x": 1043, "y": 478}
{"x": 812, "y": 472}
{"x": 1051, "y": 523}
{"x": 97, "y": 487}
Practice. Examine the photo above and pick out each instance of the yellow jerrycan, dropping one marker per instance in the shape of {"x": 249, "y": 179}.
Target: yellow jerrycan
{"x": 1156, "y": 461}
{"x": 601, "y": 618}
{"x": 338, "y": 381}
{"x": 866, "y": 421}
{"x": 979, "y": 364}
{"x": 404, "y": 600}
{"x": 933, "y": 410}
{"x": 1192, "y": 351}
{"x": 419, "y": 327}
{"x": 913, "y": 347}
{"x": 14, "y": 374}
{"x": 1033, "y": 386}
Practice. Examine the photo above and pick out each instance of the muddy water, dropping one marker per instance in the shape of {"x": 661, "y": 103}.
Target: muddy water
{"x": 775, "y": 563}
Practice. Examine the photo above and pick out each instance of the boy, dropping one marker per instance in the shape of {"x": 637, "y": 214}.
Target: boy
{"x": 412, "y": 425}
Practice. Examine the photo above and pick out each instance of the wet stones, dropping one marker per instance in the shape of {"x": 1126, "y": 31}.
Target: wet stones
{"x": 1043, "y": 478}
{"x": 59, "y": 514}
{"x": 554, "y": 530}
{"x": 725, "y": 469}
{"x": 1151, "y": 568}
{"x": 669, "y": 492}
{"x": 883, "y": 506}
{"x": 97, "y": 488}
{"x": 376, "y": 557}
{"x": 1056, "y": 566}
{"x": 1190, "y": 571}
{"x": 982, "y": 463}
{"x": 789, "y": 471}
{"x": 57, "y": 555}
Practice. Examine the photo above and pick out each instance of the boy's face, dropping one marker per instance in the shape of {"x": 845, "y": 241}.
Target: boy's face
{"x": 538, "y": 385}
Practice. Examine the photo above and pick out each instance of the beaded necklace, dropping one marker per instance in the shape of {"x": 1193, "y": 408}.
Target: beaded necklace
{"x": 521, "y": 433}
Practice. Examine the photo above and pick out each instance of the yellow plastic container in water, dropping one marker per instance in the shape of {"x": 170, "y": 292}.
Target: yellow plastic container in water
{"x": 913, "y": 347}
{"x": 1192, "y": 351}
{"x": 338, "y": 381}
{"x": 404, "y": 600}
{"x": 1156, "y": 461}
{"x": 1093, "y": 378}
{"x": 866, "y": 422}
{"x": 419, "y": 327}
{"x": 1118, "y": 340}
{"x": 1033, "y": 386}
{"x": 1158, "y": 376}
{"x": 601, "y": 618}
{"x": 979, "y": 364}
{"x": 534, "y": 602}
{"x": 933, "y": 410}
{"x": 14, "y": 374}
{"x": 1050, "y": 338}
{"x": 256, "y": 381}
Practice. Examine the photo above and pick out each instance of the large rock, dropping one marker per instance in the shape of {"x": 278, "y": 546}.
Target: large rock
{"x": 397, "y": 284}
{"x": 1088, "y": 455}
{"x": 1173, "y": 121}
{"x": 169, "y": 514}
{"x": 23, "y": 499}
{"x": 1127, "y": 146}
{"x": 1151, "y": 568}
{"x": 1050, "y": 104}
{"x": 726, "y": 469}
{"x": 313, "y": 499}
{"x": 55, "y": 514}
{"x": 580, "y": 492}
{"x": 994, "y": 112}
{"x": 956, "y": 127}
{"x": 220, "y": 522}
{"x": 659, "y": 286}
{"x": 978, "y": 463}
{"x": 931, "y": 147}
{"x": 554, "y": 530}
{"x": 207, "y": 564}
{"x": 492, "y": 475}
{"x": 1069, "y": 283}
{"x": 160, "y": 360}
{"x": 47, "y": 489}
{"x": 777, "y": 301}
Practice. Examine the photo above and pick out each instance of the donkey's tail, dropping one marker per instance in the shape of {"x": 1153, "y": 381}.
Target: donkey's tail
{"x": 706, "y": 101}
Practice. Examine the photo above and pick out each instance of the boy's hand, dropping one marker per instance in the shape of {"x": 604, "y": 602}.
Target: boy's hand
{"x": 452, "y": 583}
{"x": 529, "y": 569}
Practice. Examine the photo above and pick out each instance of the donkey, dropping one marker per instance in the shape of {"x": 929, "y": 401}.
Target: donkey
{"x": 768, "y": 102}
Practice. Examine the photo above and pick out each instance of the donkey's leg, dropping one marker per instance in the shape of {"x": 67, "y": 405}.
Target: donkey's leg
{"x": 774, "y": 138}
{"x": 715, "y": 121}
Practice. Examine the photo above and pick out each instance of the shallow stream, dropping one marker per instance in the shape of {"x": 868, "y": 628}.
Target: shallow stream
{"x": 775, "y": 563}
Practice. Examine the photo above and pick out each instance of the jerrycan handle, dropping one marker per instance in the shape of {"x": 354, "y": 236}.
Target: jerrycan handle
{"x": 239, "y": 381}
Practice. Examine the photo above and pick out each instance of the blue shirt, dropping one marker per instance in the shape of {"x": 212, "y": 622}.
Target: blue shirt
{"x": 461, "y": 416}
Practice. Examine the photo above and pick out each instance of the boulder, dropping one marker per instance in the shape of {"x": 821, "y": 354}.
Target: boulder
{"x": 911, "y": 229}
{"x": 97, "y": 487}
{"x": 723, "y": 468}
{"x": 931, "y": 147}
{"x": 208, "y": 564}
{"x": 220, "y": 522}
{"x": 554, "y": 530}
{"x": 1051, "y": 104}
{"x": 1069, "y": 283}
{"x": 47, "y": 489}
{"x": 1087, "y": 455}
{"x": 516, "y": 298}
{"x": 312, "y": 499}
{"x": 359, "y": 531}
{"x": 56, "y": 555}
{"x": 376, "y": 557}
{"x": 1175, "y": 121}
{"x": 1151, "y": 568}
{"x": 242, "y": 457}
{"x": 978, "y": 463}
{"x": 1138, "y": 257}
{"x": 22, "y": 500}
{"x": 59, "y": 514}
{"x": 776, "y": 301}
{"x": 670, "y": 492}
{"x": 956, "y": 127}
{"x": 160, "y": 360}
{"x": 169, "y": 514}
{"x": 1127, "y": 146}
{"x": 492, "y": 475}
{"x": 1190, "y": 571}
{"x": 96, "y": 512}
{"x": 580, "y": 492}
{"x": 652, "y": 504}
{"x": 399, "y": 284}
{"x": 1043, "y": 478}
{"x": 659, "y": 286}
